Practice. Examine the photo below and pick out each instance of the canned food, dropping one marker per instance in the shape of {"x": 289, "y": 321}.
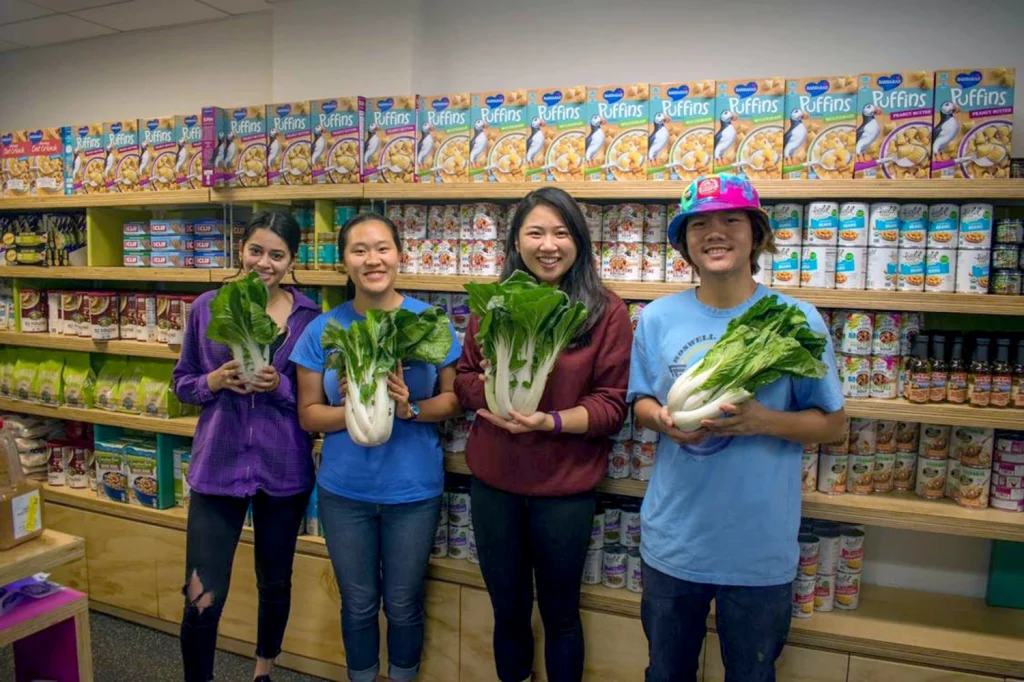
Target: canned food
{"x": 788, "y": 224}
{"x": 618, "y": 459}
{"x": 1006, "y": 505}
{"x": 822, "y": 227}
{"x": 593, "y": 567}
{"x": 654, "y": 224}
{"x": 972, "y": 445}
{"x": 473, "y": 557}
{"x": 631, "y": 223}
{"x": 911, "y": 269}
{"x": 952, "y": 478}
{"x": 975, "y": 226}
{"x": 459, "y": 508}
{"x": 884, "y": 224}
{"x": 458, "y": 542}
{"x": 853, "y": 224}
{"x": 440, "y": 546}
{"x": 621, "y": 261}
{"x": 653, "y": 264}
{"x": 913, "y": 225}
{"x": 764, "y": 269}
{"x": 818, "y": 266}
{"x": 910, "y": 326}
{"x": 809, "y": 472}
{"x": 1009, "y": 494}
{"x": 786, "y": 266}
{"x": 484, "y": 220}
{"x": 1010, "y": 447}
{"x": 904, "y": 471}
{"x": 882, "y": 268}
{"x": 885, "y": 334}
{"x": 1006, "y": 469}
{"x": 972, "y": 272}
{"x": 828, "y": 548}
{"x": 593, "y": 214}
{"x": 847, "y": 591}
{"x": 940, "y": 270}
{"x": 885, "y": 437}
{"x": 824, "y": 592}
{"x": 1009, "y": 231}
{"x": 645, "y": 435}
{"x": 931, "y": 478}
{"x": 1004, "y": 481}
{"x": 610, "y": 223}
{"x": 612, "y": 526}
{"x": 1006, "y": 282}
{"x": 808, "y": 562}
{"x": 884, "y": 465}
{"x": 836, "y": 324}
{"x": 851, "y": 267}
{"x": 1005, "y": 256}
{"x": 677, "y": 269}
{"x": 934, "y": 441}
{"x": 858, "y": 330}
{"x": 974, "y": 486}
{"x": 832, "y": 474}
{"x": 862, "y": 436}
{"x": 943, "y": 226}
{"x": 614, "y": 560}
{"x": 860, "y": 474}
{"x": 803, "y": 597}
{"x": 597, "y": 531}
{"x": 641, "y": 463}
{"x": 856, "y": 376}
{"x": 634, "y": 571}
{"x": 884, "y": 372}
{"x": 851, "y": 551}
{"x": 908, "y": 437}
{"x": 631, "y": 526}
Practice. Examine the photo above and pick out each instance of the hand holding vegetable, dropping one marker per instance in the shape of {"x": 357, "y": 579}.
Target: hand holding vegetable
{"x": 266, "y": 380}
{"x": 668, "y": 427}
{"x": 399, "y": 392}
{"x": 518, "y": 424}
{"x": 748, "y": 419}
{"x": 238, "y": 319}
{"x": 227, "y": 376}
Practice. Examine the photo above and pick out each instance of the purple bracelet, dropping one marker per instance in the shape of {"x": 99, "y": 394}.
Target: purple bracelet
{"x": 558, "y": 421}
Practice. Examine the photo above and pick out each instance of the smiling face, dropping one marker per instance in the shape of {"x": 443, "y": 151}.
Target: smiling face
{"x": 268, "y": 256}
{"x": 720, "y": 243}
{"x": 546, "y": 244}
{"x": 371, "y": 257}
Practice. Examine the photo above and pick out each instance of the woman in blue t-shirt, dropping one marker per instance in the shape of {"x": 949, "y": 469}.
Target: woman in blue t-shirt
{"x": 379, "y": 506}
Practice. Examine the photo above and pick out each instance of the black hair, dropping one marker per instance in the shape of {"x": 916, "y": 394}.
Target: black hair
{"x": 355, "y": 221}
{"x": 763, "y": 241}
{"x": 281, "y": 224}
{"x": 581, "y": 282}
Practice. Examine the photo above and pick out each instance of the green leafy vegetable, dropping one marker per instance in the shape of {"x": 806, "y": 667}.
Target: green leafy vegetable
{"x": 238, "y": 319}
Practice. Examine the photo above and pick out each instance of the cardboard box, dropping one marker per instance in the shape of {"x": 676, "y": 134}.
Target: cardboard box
{"x": 497, "y": 142}
{"x": 338, "y": 129}
{"x": 89, "y": 158}
{"x": 973, "y": 123}
{"x": 557, "y": 134}
{"x": 616, "y": 145}
{"x": 681, "y": 131}
{"x": 290, "y": 144}
{"x": 121, "y": 171}
{"x": 159, "y": 154}
{"x": 442, "y": 143}
{"x": 750, "y": 117}
{"x": 389, "y": 145}
{"x": 821, "y": 129}
{"x": 894, "y": 136}
{"x": 188, "y": 169}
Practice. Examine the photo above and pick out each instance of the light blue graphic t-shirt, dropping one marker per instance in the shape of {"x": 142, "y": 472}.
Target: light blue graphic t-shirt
{"x": 725, "y": 511}
{"x": 408, "y": 467}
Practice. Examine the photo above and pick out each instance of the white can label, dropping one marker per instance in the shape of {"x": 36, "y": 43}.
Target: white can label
{"x": 853, "y": 224}
{"x": 653, "y": 262}
{"x": 851, "y": 267}
{"x": 884, "y": 224}
{"x": 883, "y": 264}
{"x": 788, "y": 224}
{"x": 654, "y": 224}
{"x": 943, "y": 225}
{"x": 822, "y": 223}
{"x": 940, "y": 270}
{"x": 976, "y": 226}
{"x": 972, "y": 271}
{"x": 913, "y": 225}
{"x": 786, "y": 267}
{"x": 818, "y": 267}
{"x": 911, "y": 269}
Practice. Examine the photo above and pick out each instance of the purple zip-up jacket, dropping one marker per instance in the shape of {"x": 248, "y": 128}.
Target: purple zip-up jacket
{"x": 245, "y": 443}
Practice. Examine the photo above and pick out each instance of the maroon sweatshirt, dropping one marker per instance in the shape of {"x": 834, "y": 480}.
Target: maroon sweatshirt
{"x": 542, "y": 463}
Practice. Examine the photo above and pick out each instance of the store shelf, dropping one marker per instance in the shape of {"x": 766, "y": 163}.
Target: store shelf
{"x": 136, "y": 199}
{"x": 288, "y": 193}
{"x": 108, "y": 274}
{"x": 48, "y": 551}
{"x": 934, "y": 413}
{"x": 182, "y": 426}
{"x": 138, "y": 349}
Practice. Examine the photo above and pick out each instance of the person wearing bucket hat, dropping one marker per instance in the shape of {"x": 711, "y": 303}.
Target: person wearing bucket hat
{"x": 722, "y": 509}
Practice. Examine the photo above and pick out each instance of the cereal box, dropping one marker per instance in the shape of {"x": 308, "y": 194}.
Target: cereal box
{"x": 15, "y": 167}
{"x": 616, "y": 146}
{"x": 973, "y": 123}
{"x": 389, "y": 143}
{"x": 750, "y": 119}
{"x": 442, "y": 144}
{"x": 497, "y": 142}
{"x": 822, "y": 128}
{"x": 159, "y": 154}
{"x": 188, "y": 166}
{"x": 46, "y": 154}
{"x": 681, "y": 132}
{"x": 121, "y": 168}
{"x": 289, "y": 144}
{"x": 558, "y": 132}
{"x": 337, "y": 140}
{"x": 89, "y": 159}
{"x": 214, "y": 146}
{"x": 245, "y": 158}
{"x": 895, "y": 131}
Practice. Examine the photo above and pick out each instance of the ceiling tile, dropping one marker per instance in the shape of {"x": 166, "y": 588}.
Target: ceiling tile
{"x": 16, "y": 10}
{"x": 139, "y": 14}
{"x": 7, "y": 47}
{"x": 59, "y": 28}
{"x": 72, "y": 5}
{"x": 238, "y": 6}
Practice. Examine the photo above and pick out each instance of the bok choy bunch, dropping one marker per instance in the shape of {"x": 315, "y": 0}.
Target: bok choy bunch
{"x": 523, "y": 327}
{"x": 238, "y": 319}
{"x": 369, "y": 350}
{"x": 760, "y": 346}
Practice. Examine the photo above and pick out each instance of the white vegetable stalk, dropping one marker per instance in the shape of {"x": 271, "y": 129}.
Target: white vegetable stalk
{"x": 369, "y": 425}
{"x": 690, "y": 419}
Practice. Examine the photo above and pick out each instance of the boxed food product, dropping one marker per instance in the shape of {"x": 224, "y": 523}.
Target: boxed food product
{"x": 894, "y": 138}
{"x": 188, "y": 166}
{"x": 46, "y": 154}
{"x": 973, "y": 123}
{"x": 442, "y": 145}
{"x": 211, "y": 260}
{"x": 170, "y": 242}
{"x": 170, "y": 226}
{"x": 338, "y": 126}
{"x": 172, "y": 259}
{"x": 558, "y": 132}
{"x": 136, "y": 259}
{"x": 616, "y": 146}
{"x": 206, "y": 227}
{"x": 389, "y": 146}
{"x": 15, "y": 166}
{"x": 111, "y": 470}
{"x": 182, "y": 456}
{"x": 215, "y": 130}
{"x": 750, "y": 117}
{"x": 89, "y": 153}
{"x": 245, "y": 159}
{"x": 821, "y": 134}
{"x": 121, "y": 173}
{"x": 497, "y": 142}
{"x": 681, "y": 134}
{"x": 290, "y": 144}
{"x": 159, "y": 154}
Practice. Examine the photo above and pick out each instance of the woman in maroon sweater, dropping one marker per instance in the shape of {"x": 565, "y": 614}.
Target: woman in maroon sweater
{"x": 534, "y": 476}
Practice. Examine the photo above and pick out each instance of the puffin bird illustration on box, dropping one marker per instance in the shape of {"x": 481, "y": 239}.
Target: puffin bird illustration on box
{"x": 535, "y": 142}
{"x": 478, "y": 142}
{"x": 318, "y": 144}
{"x": 372, "y": 143}
{"x": 869, "y": 129}
{"x": 218, "y": 157}
{"x": 658, "y": 139}
{"x": 796, "y": 137}
{"x": 146, "y": 159}
{"x": 595, "y": 140}
{"x": 275, "y": 148}
{"x": 230, "y": 152}
{"x": 179, "y": 164}
{"x": 78, "y": 165}
{"x": 108, "y": 166}
{"x": 426, "y": 143}
{"x": 946, "y": 129}
{"x": 725, "y": 138}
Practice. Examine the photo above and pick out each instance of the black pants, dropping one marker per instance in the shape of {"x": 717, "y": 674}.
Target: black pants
{"x": 517, "y": 538}
{"x": 214, "y": 525}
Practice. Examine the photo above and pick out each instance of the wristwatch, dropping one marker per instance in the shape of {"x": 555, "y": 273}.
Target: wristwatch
{"x": 414, "y": 411}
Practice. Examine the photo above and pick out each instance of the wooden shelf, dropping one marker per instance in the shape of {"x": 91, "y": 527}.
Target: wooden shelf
{"x": 59, "y": 342}
{"x": 934, "y": 413}
{"x": 182, "y": 426}
{"x": 108, "y": 274}
{"x": 287, "y": 193}
{"x": 133, "y": 200}
{"x": 46, "y": 552}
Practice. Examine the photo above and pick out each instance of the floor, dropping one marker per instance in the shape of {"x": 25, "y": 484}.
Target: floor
{"x": 121, "y": 649}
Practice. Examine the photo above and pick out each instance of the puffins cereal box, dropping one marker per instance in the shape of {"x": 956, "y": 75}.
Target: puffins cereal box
{"x": 390, "y": 139}
{"x": 245, "y": 159}
{"x": 442, "y": 143}
{"x": 188, "y": 167}
{"x": 821, "y": 129}
{"x": 337, "y": 140}
{"x": 497, "y": 142}
{"x": 616, "y": 144}
{"x": 289, "y": 144}
{"x": 15, "y": 166}
{"x": 894, "y": 135}
{"x": 973, "y": 123}
{"x": 681, "y": 132}
{"x": 89, "y": 154}
{"x": 557, "y": 135}
{"x": 121, "y": 169}
{"x": 749, "y": 137}
{"x": 215, "y": 127}
{"x": 159, "y": 154}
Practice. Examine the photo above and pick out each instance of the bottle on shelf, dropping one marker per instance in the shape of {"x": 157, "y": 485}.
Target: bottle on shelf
{"x": 956, "y": 384}
{"x": 979, "y": 375}
{"x": 940, "y": 370}
{"x": 1017, "y": 388}
{"x": 1002, "y": 375}
{"x": 919, "y": 371}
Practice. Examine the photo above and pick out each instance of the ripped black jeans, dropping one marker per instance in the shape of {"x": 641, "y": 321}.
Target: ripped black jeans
{"x": 214, "y": 525}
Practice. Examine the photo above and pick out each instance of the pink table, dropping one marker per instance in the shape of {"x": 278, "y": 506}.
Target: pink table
{"x": 51, "y": 638}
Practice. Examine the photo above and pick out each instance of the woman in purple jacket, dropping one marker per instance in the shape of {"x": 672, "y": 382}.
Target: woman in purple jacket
{"x": 248, "y": 449}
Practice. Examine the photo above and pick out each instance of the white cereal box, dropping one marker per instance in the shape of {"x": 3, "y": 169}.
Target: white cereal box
{"x": 338, "y": 125}
{"x": 616, "y": 145}
{"x": 750, "y": 117}
{"x": 681, "y": 132}
{"x": 390, "y": 142}
{"x": 973, "y": 123}
{"x": 557, "y": 134}
{"x": 188, "y": 167}
{"x": 15, "y": 164}
{"x": 497, "y": 141}
{"x": 289, "y": 144}
{"x": 442, "y": 143}
{"x": 89, "y": 157}
{"x": 121, "y": 168}
{"x": 894, "y": 135}
{"x": 821, "y": 128}
{"x": 159, "y": 154}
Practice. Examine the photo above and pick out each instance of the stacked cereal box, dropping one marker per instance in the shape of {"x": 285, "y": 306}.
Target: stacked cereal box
{"x": 616, "y": 146}
{"x": 558, "y": 133}
{"x": 15, "y": 166}
{"x": 290, "y": 144}
{"x": 46, "y": 152}
{"x": 750, "y": 116}
{"x": 338, "y": 125}
{"x": 188, "y": 167}
{"x": 389, "y": 143}
{"x": 235, "y": 147}
{"x": 973, "y": 123}
{"x": 89, "y": 158}
{"x": 819, "y": 141}
{"x": 442, "y": 148}
{"x": 681, "y": 134}
{"x": 121, "y": 172}
{"x": 895, "y": 136}
{"x": 497, "y": 143}
{"x": 159, "y": 159}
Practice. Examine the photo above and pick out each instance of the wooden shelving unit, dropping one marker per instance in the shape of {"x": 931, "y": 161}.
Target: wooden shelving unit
{"x": 189, "y": 197}
{"x": 935, "y": 413}
{"x": 288, "y": 193}
{"x": 48, "y": 551}
{"x": 107, "y": 274}
{"x": 137, "y": 349}
{"x": 182, "y": 426}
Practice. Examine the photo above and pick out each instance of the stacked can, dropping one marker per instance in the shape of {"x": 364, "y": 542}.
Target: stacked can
{"x": 974, "y": 243}
{"x": 440, "y": 547}
{"x": 832, "y": 464}
{"x": 904, "y": 475}
{"x": 622, "y": 246}
{"x": 644, "y": 448}
{"x": 654, "y": 243}
{"x": 886, "y": 350}
{"x": 1007, "y": 490}
{"x": 809, "y": 468}
{"x": 855, "y": 346}
{"x": 932, "y": 461}
{"x": 622, "y": 450}
{"x": 460, "y": 523}
{"x": 883, "y": 246}
{"x": 860, "y": 467}
{"x": 940, "y": 258}
{"x": 593, "y": 565}
{"x": 969, "y": 479}
{"x": 594, "y": 214}
{"x": 1008, "y": 257}
{"x": 806, "y": 575}
{"x": 677, "y": 269}
{"x": 788, "y": 224}
{"x": 851, "y": 255}
{"x": 820, "y": 241}
{"x": 912, "y": 241}
{"x": 828, "y": 534}
{"x": 846, "y": 595}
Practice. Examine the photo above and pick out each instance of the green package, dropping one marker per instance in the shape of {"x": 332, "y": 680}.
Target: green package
{"x": 108, "y": 381}
{"x": 157, "y": 398}
{"x": 48, "y": 387}
{"x": 79, "y": 380}
{"x": 7, "y": 361}
{"x": 23, "y": 378}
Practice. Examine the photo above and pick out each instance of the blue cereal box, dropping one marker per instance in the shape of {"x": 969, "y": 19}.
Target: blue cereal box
{"x": 159, "y": 154}
{"x": 616, "y": 144}
{"x": 289, "y": 144}
{"x": 121, "y": 172}
{"x": 821, "y": 128}
{"x": 89, "y": 157}
{"x": 338, "y": 128}
{"x": 681, "y": 132}
{"x": 894, "y": 134}
{"x": 750, "y": 115}
{"x": 497, "y": 141}
{"x": 973, "y": 123}
{"x": 557, "y": 136}
{"x": 442, "y": 143}
{"x": 389, "y": 143}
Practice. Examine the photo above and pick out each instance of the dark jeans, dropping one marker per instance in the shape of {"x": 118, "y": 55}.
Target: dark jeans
{"x": 517, "y": 538}
{"x": 380, "y": 549}
{"x": 752, "y": 623}
{"x": 214, "y": 524}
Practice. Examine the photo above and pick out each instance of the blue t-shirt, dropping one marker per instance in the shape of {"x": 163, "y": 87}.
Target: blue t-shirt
{"x": 725, "y": 511}
{"x": 407, "y": 468}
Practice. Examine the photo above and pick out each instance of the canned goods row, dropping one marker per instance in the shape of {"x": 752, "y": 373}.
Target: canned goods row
{"x": 631, "y": 459}
{"x": 631, "y": 223}
{"x": 616, "y": 523}
{"x": 614, "y": 566}
{"x": 469, "y": 221}
{"x": 483, "y": 257}
{"x": 884, "y": 334}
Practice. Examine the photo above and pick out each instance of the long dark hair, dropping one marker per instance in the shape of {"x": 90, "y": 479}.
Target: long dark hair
{"x": 350, "y": 287}
{"x": 581, "y": 283}
{"x": 280, "y": 223}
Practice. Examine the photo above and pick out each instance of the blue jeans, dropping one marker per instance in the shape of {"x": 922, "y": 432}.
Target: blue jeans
{"x": 752, "y": 623}
{"x": 380, "y": 549}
